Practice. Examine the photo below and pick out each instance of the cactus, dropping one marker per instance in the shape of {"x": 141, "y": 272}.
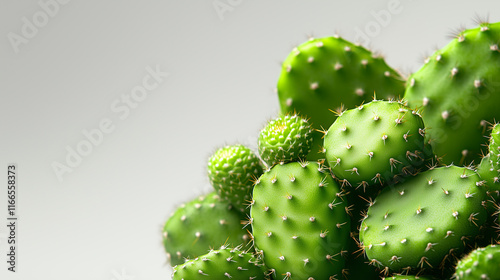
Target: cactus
{"x": 299, "y": 222}
{"x": 329, "y": 73}
{"x": 374, "y": 143}
{"x": 482, "y": 263}
{"x": 425, "y": 221}
{"x": 285, "y": 139}
{"x": 231, "y": 170}
{"x": 224, "y": 263}
{"x": 203, "y": 223}
{"x": 459, "y": 92}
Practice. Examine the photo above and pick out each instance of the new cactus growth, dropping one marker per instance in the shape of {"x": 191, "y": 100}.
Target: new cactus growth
{"x": 459, "y": 92}
{"x": 224, "y": 263}
{"x": 482, "y": 263}
{"x": 203, "y": 223}
{"x": 425, "y": 221}
{"x": 375, "y": 142}
{"x": 329, "y": 73}
{"x": 232, "y": 170}
{"x": 299, "y": 222}
{"x": 287, "y": 138}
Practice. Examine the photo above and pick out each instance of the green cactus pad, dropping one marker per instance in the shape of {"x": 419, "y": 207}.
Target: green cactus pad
{"x": 459, "y": 91}
{"x": 375, "y": 142}
{"x": 285, "y": 139}
{"x": 219, "y": 264}
{"x": 424, "y": 221}
{"x": 482, "y": 263}
{"x": 299, "y": 222}
{"x": 494, "y": 147}
{"x": 489, "y": 169}
{"x": 203, "y": 223}
{"x": 491, "y": 178}
{"x": 329, "y": 73}
{"x": 231, "y": 171}
{"x": 489, "y": 173}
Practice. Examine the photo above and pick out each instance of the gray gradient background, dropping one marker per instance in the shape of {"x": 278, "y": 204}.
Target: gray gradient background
{"x": 103, "y": 221}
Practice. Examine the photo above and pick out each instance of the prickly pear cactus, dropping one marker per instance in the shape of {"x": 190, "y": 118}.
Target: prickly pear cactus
{"x": 482, "y": 263}
{"x": 232, "y": 171}
{"x": 287, "y": 138}
{"x": 459, "y": 91}
{"x": 329, "y": 73}
{"x": 299, "y": 222}
{"x": 424, "y": 221}
{"x": 375, "y": 142}
{"x": 203, "y": 223}
{"x": 224, "y": 263}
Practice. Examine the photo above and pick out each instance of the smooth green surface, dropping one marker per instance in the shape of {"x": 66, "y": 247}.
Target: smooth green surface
{"x": 204, "y": 223}
{"x": 459, "y": 91}
{"x": 416, "y": 223}
{"x": 299, "y": 223}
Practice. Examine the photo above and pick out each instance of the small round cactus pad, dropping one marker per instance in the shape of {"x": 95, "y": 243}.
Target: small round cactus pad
{"x": 375, "y": 142}
{"x": 203, "y": 223}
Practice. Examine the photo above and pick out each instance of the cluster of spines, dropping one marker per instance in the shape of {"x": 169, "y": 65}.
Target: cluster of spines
{"x": 232, "y": 170}
{"x": 284, "y": 139}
